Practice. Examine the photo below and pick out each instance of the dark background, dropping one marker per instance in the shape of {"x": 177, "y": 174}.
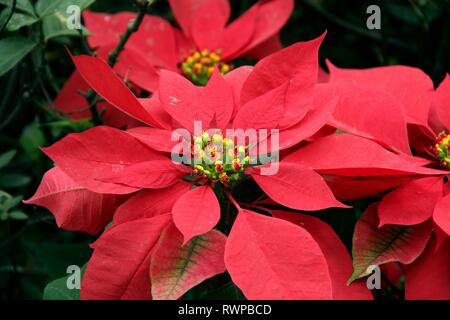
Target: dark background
{"x": 33, "y": 251}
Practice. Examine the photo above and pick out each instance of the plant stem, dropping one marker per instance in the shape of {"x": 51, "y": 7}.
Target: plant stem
{"x": 132, "y": 28}
{"x": 13, "y": 9}
{"x": 233, "y": 201}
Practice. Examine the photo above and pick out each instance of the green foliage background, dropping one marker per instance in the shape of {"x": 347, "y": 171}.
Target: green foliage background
{"x": 33, "y": 251}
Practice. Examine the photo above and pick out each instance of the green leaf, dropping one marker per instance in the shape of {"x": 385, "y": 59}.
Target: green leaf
{"x": 46, "y": 7}
{"x": 176, "y": 268}
{"x": 31, "y": 139}
{"x": 374, "y": 246}
{"x": 17, "y": 21}
{"x": 58, "y": 289}
{"x": 55, "y": 25}
{"x": 13, "y": 180}
{"x": 22, "y": 5}
{"x": 6, "y": 157}
{"x": 17, "y": 215}
{"x": 11, "y": 203}
{"x": 12, "y": 50}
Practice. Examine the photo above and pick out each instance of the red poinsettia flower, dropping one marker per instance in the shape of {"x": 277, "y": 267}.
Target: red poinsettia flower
{"x": 402, "y": 217}
{"x": 204, "y": 41}
{"x": 166, "y": 227}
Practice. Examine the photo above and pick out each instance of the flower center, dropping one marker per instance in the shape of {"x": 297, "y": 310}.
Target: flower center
{"x": 218, "y": 158}
{"x": 441, "y": 149}
{"x": 199, "y": 66}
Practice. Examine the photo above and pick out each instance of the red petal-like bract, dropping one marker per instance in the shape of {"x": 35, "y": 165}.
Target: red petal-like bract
{"x": 354, "y": 188}
{"x": 269, "y": 258}
{"x": 180, "y": 98}
{"x": 73, "y": 105}
{"x": 338, "y": 258}
{"x": 382, "y": 119}
{"x": 376, "y": 246}
{"x": 104, "y": 81}
{"x": 297, "y": 187}
{"x": 196, "y": 212}
{"x": 157, "y": 139}
{"x": 217, "y": 96}
{"x": 441, "y": 214}
{"x": 349, "y": 155}
{"x": 149, "y": 203}
{"x": 428, "y": 277}
{"x": 411, "y": 87}
{"x": 75, "y": 208}
{"x": 271, "y": 16}
{"x": 411, "y": 203}
{"x": 97, "y": 153}
{"x": 298, "y": 61}
{"x": 119, "y": 267}
{"x": 175, "y": 268}
{"x": 154, "y": 174}
{"x": 441, "y": 102}
{"x": 263, "y": 112}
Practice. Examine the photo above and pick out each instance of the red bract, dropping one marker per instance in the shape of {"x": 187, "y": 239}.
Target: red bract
{"x": 418, "y": 199}
{"x": 179, "y": 200}
{"x": 203, "y": 42}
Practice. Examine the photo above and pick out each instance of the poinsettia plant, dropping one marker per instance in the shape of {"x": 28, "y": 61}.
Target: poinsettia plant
{"x": 413, "y": 216}
{"x": 192, "y": 155}
{"x": 166, "y": 225}
{"x": 202, "y": 41}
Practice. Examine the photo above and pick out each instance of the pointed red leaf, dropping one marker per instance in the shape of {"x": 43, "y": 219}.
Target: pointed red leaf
{"x": 119, "y": 267}
{"x": 428, "y": 277}
{"x": 238, "y": 34}
{"x": 187, "y": 11}
{"x": 180, "y": 99}
{"x": 106, "y": 28}
{"x": 411, "y": 203}
{"x": 157, "y": 139}
{"x": 154, "y": 174}
{"x": 441, "y": 104}
{"x": 271, "y": 17}
{"x": 236, "y": 78}
{"x": 263, "y": 112}
{"x": 105, "y": 82}
{"x": 371, "y": 114}
{"x": 269, "y": 258}
{"x": 149, "y": 203}
{"x": 208, "y": 24}
{"x": 349, "y": 155}
{"x": 75, "y": 208}
{"x": 97, "y": 153}
{"x": 154, "y": 107}
{"x": 319, "y": 113}
{"x": 337, "y": 256}
{"x": 409, "y": 86}
{"x": 196, "y": 212}
{"x": 218, "y": 96}
{"x": 354, "y": 188}
{"x": 297, "y": 61}
{"x": 376, "y": 246}
{"x": 441, "y": 214}
{"x": 297, "y": 187}
{"x": 175, "y": 268}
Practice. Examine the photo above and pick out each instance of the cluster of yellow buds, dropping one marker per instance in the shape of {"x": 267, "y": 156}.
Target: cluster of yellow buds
{"x": 218, "y": 158}
{"x": 441, "y": 149}
{"x": 199, "y": 66}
